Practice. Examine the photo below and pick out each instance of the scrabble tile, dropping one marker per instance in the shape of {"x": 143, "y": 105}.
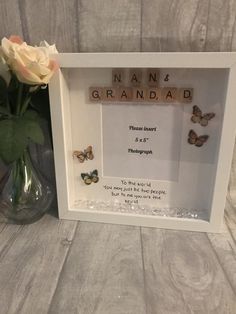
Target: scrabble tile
{"x": 169, "y": 94}
{"x": 135, "y": 77}
{"x": 154, "y": 94}
{"x": 95, "y": 94}
{"x": 124, "y": 94}
{"x": 139, "y": 94}
{"x": 118, "y": 77}
{"x": 185, "y": 95}
{"x": 152, "y": 77}
{"x": 109, "y": 94}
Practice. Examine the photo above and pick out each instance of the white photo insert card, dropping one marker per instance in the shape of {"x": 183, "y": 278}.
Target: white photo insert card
{"x": 146, "y": 140}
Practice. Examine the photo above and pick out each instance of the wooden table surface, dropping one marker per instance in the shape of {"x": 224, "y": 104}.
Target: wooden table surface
{"x": 58, "y": 266}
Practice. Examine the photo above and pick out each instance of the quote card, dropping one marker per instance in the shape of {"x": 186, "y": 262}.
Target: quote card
{"x": 141, "y": 142}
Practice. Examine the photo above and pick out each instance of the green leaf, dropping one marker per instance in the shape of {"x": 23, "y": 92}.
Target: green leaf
{"x": 4, "y": 110}
{"x": 31, "y": 121}
{"x": 33, "y": 131}
{"x": 31, "y": 115}
{"x": 15, "y": 134}
{"x": 12, "y": 140}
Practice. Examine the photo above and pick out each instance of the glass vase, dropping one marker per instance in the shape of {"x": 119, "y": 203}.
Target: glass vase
{"x": 25, "y": 194}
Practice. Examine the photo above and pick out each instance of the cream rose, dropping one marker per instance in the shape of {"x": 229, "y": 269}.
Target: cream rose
{"x": 31, "y": 65}
{"x": 51, "y": 48}
{"x": 4, "y": 69}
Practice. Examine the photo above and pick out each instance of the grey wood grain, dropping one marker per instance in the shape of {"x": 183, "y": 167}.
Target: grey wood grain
{"x": 54, "y": 21}
{"x": 103, "y": 273}
{"x": 31, "y": 258}
{"x": 232, "y": 181}
{"x": 182, "y": 274}
{"x": 230, "y": 218}
{"x": 10, "y": 23}
{"x": 8, "y": 234}
{"x": 221, "y": 26}
{"x": 109, "y": 25}
{"x": 177, "y": 25}
{"x": 225, "y": 250}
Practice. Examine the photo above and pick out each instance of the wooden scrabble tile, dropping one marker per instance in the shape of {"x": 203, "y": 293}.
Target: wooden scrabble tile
{"x": 153, "y": 76}
{"x": 185, "y": 95}
{"x": 118, "y": 77}
{"x": 95, "y": 94}
{"x": 135, "y": 77}
{"x": 154, "y": 94}
{"x": 109, "y": 94}
{"x": 139, "y": 94}
{"x": 124, "y": 94}
{"x": 169, "y": 94}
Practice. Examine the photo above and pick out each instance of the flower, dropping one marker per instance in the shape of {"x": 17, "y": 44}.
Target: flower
{"x": 51, "y": 48}
{"x": 4, "y": 69}
{"x": 31, "y": 65}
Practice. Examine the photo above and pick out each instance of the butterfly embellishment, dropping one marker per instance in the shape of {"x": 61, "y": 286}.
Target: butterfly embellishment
{"x": 196, "y": 140}
{"x": 87, "y": 154}
{"x": 88, "y": 178}
{"x": 199, "y": 117}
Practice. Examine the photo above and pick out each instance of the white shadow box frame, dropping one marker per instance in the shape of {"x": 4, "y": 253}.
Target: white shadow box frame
{"x": 62, "y": 90}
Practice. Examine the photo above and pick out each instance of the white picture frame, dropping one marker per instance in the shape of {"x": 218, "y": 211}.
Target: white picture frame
{"x": 62, "y": 139}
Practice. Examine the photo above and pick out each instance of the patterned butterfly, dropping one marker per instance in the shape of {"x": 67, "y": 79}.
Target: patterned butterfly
{"x": 85, "y": 155}
{"x": 198, "y": 141}
{"x": 90, "y": 177}
{"x": 200, "y": 118}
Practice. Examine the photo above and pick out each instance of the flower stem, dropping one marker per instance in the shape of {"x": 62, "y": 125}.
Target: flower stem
{"x": 19, "y": 96}
{"x": 25, "y": 105}
{"x": 8, "y": 104}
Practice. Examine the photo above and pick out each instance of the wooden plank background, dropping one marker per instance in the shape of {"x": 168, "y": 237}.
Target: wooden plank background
{"x": 57, "y": 266}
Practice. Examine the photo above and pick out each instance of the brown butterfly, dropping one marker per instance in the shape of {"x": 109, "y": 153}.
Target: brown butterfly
{"x": 200, "y": 118}
{"x": 198, "y": 141}
{"x": 84, "y": 155}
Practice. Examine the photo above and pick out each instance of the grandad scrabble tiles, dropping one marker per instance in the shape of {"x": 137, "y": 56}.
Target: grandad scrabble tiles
{"x": 139, "y": 85}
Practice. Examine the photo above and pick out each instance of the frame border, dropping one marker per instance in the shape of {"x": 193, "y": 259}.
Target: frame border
{"x": 59, "y": 97}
